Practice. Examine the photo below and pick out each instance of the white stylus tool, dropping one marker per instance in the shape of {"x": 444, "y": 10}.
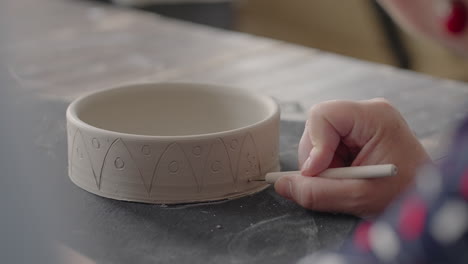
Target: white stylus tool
{"x": 358, "y": 172}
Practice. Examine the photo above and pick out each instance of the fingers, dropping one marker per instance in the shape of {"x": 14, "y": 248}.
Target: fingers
{"x": 346, "y": 133}
{"x": 305, "y": 146}
{"x": 328, "y": 123}
{"x": 332, "y": 195}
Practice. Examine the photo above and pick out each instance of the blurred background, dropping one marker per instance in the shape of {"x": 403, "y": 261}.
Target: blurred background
{"x": 357, "y": 28}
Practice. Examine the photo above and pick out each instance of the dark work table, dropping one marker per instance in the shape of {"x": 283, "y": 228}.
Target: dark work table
{"x": 261, "y": 228}
{"x": 56, "y": 50}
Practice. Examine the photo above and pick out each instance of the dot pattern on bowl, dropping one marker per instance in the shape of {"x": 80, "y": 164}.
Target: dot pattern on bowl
{"x": 173, "y": 167}
{"x": 96, "y": 143}
{"x": 146, "y": 150}
{"x": 226, "y": 160}
{"x": 234, "y": 144}
{"x": 197, "y": 150}
{"x": 216, "y": 166}
{"x": 119, "y": 163}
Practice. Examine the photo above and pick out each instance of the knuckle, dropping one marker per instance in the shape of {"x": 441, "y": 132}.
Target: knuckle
{"x": 357, "y": 194}
{"x": 359, "y": 198}
{"x": 321, "y": 108}
{"x": 392, "y": 118}
{"x": 307, "y": 199}
{"x": 315, "y": 110}
{"x": 383, "y": 104}
{"x": 305, "y": 196}
{"x": 364, "y": 203}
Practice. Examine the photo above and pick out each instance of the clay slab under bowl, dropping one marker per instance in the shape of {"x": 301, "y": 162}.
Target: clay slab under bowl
{"x": 172, "y": 142}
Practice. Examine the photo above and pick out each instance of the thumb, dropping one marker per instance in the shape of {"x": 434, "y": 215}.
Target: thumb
{"x": 333, "y": 195}
{"x": 328, "y": 124}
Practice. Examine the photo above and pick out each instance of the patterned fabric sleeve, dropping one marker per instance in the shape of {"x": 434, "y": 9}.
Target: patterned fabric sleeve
{"x": 427, "y": 224}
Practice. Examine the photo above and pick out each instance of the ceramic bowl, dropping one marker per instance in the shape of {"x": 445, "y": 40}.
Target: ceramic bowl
{"x": 172, "y": 142}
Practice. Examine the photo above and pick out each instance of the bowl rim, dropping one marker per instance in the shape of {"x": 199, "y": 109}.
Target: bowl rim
{"x": 72, "y": 116}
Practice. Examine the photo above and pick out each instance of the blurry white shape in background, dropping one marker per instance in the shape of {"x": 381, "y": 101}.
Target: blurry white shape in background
{"x": 148, "y": 2}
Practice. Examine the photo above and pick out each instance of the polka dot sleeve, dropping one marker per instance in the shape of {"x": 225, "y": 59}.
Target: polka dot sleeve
{"x": 427, "y": 224}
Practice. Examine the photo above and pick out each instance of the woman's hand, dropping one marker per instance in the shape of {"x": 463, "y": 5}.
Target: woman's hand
{"x": 346, "y": 133}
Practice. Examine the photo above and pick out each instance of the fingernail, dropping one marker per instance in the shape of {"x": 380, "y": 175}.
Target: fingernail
{"x": 307, "y": 164}
{"x": 307, "y": 169}
{"x": 284, "y": 187}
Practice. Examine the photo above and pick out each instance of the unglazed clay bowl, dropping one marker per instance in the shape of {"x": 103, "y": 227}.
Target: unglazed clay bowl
{"x": 172, "y": 142}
